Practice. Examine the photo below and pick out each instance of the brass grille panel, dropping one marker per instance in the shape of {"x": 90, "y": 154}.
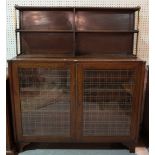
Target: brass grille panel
{"x": 108, "y": 96}
{"x": 45, "y": 101}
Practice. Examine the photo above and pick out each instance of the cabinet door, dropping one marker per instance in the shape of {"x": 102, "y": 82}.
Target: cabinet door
{"x": 109, "y": 100}
{"x": 43, "y": 101}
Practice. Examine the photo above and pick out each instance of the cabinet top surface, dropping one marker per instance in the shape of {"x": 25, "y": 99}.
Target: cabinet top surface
{"x": 73, "y": 59}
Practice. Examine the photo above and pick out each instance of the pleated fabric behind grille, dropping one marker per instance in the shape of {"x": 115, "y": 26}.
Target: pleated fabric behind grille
{"x": 108, "y": 96}
{"x": 45, "y": 101}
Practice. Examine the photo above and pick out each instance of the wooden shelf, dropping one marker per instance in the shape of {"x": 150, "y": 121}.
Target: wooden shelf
{"x": 76, "y": 8}
{"x": 104, "y": 30}
{"x": 108, "y": 31}
{"x": 46, "y": 31}
{"x": 81, "y": 31}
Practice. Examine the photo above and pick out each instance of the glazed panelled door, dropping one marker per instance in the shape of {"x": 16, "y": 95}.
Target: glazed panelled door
{"x": 45, "y": 101}
{"x": 107, "y": 101}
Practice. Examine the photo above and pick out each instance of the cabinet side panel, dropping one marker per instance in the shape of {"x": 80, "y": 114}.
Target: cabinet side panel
{"x": 11, "y": 82}
{"x": 140, "y": 98}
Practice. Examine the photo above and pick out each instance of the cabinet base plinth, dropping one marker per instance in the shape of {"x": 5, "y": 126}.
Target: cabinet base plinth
{"x": 30, "y": 146}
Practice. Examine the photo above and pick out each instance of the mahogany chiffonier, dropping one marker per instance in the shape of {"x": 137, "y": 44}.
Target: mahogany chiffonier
{"x": 76, "y": 78}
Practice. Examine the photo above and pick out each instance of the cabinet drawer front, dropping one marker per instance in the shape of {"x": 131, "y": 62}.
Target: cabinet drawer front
{"x": 44, "y": 100}
{"x": 107, "y": 100}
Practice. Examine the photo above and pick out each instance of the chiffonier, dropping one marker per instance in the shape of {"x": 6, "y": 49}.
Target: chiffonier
{"x": 76, "y": 78}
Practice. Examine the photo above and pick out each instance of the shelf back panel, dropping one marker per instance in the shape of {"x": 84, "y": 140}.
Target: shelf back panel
{"x": 104, "y": 43}
{"x": 47, "y": 20}
{"x": 104, "y": 20}
{"x": 47, "y": 43}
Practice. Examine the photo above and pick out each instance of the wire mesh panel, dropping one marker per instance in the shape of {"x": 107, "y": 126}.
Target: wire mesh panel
{"x": 107, "y": 102}
{"x": 45, "y": 101}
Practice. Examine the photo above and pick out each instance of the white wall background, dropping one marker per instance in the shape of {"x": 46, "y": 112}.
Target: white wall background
{"x": 143, "y": 45}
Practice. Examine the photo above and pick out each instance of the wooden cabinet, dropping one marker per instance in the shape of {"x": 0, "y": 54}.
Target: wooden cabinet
{"x": 75, "y": 101}
{"x": 76, "y": 78}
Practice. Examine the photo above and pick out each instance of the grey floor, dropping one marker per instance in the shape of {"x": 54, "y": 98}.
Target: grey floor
{"x": 139, "y": 151}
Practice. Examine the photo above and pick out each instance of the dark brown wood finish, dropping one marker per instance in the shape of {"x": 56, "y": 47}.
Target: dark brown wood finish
{"x": 104, "y": 20}
{"x": 89, "y": 51}
{"x": 46, "y": 43}
{"x": 17, "y": 102}
{"x": 118, "y": 44}
{"x": 65, "y": 8}
{"x": 10, "y": 150}
{"x": 48, "y": 20}
{"x": 99, "y": 58}
{"x": 76, "y": 109}
{"x": 144, "y": 134}
{"x": 100, "y": 27}
{"x": 135, "y": 105}
{"x": 119, "y": 64}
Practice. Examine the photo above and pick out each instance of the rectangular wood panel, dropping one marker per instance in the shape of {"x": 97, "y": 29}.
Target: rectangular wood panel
{"x": 47, "y": 43}
{"x": 98, "y": 44}
{"x": 47, "y": 20}
{"x": 104, "y": 20}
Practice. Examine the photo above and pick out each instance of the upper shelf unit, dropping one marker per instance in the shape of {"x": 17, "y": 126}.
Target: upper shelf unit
{"x": 77, "y": 31}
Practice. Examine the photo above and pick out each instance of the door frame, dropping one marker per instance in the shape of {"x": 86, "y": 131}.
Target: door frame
{"x": 13, "y": 71}
{"x": 137, "y": 102}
